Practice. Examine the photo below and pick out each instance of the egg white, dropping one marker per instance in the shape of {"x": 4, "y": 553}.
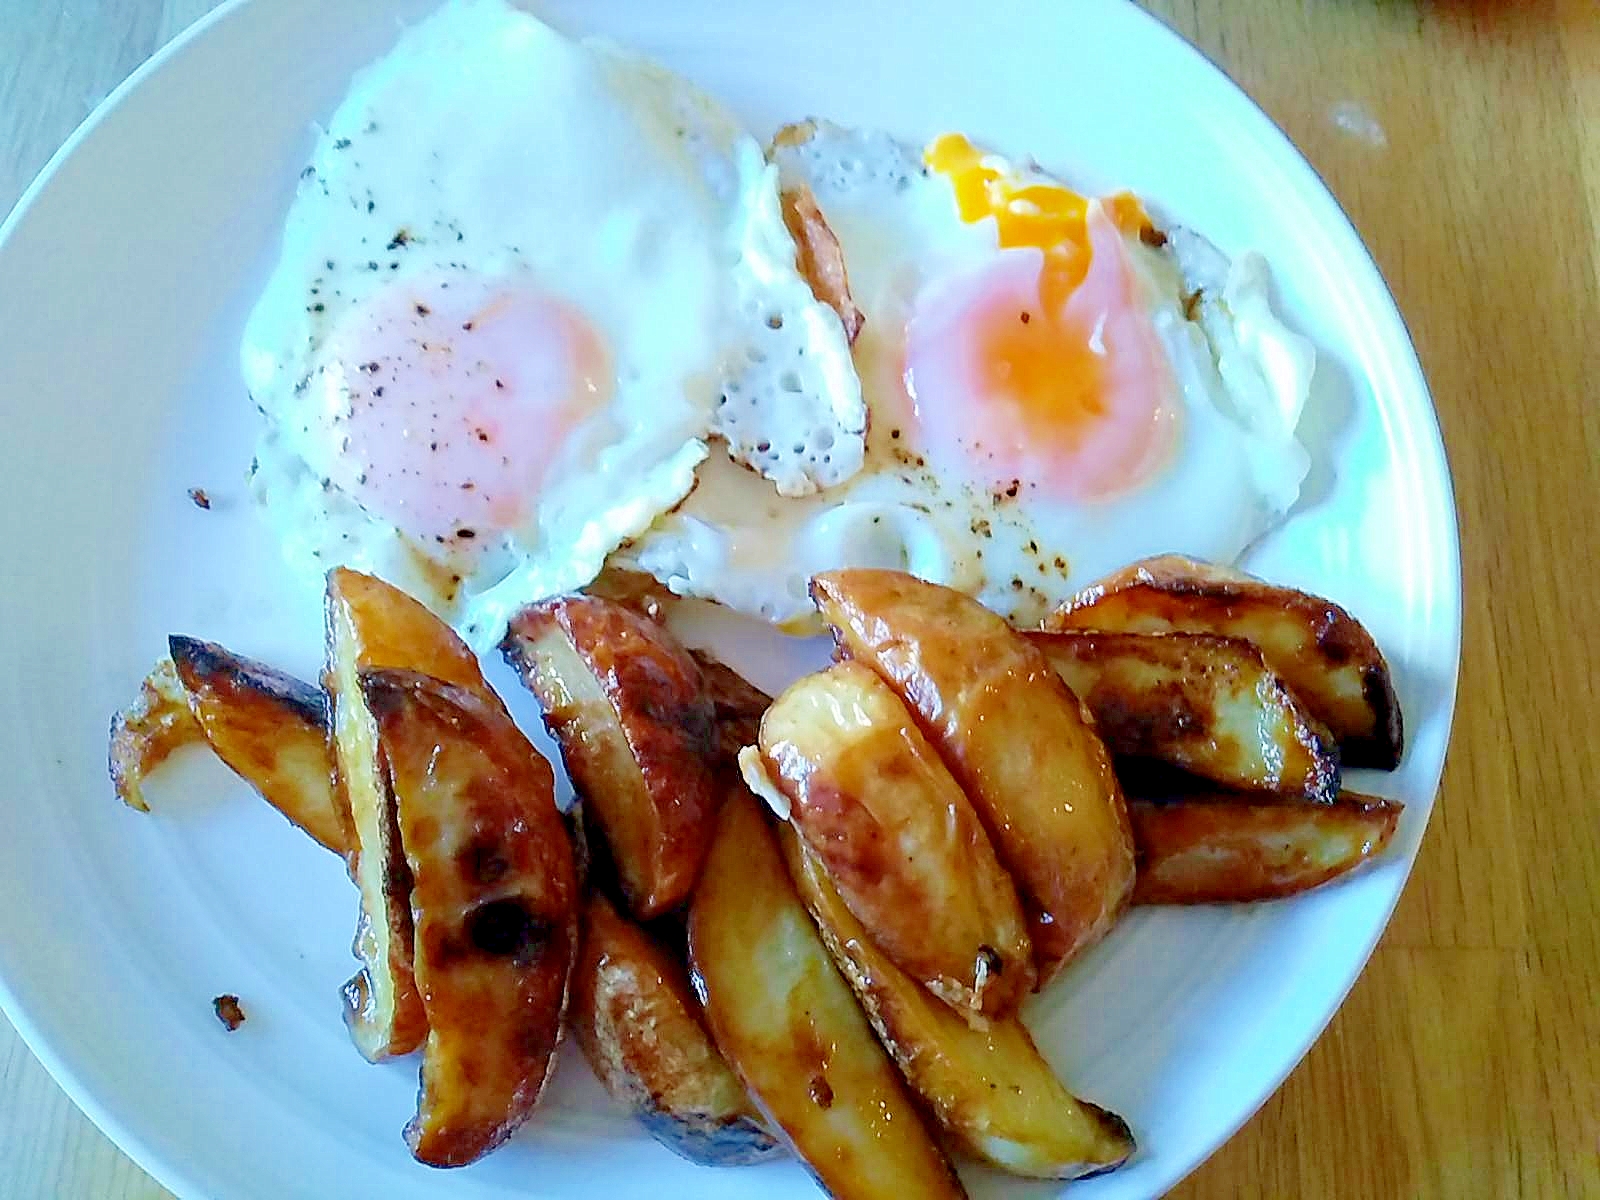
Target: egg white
{"x": 1235, "y": 471}
{"x": 487, "y": 151}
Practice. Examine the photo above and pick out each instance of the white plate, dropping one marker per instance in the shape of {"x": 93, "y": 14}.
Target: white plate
{"x": 126, "y": 271}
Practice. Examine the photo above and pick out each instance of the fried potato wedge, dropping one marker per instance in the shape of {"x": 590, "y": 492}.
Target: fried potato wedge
{"x": 640, "y": 1028}
{"x": 372, "y": 625}
{"x": 630, "y": 710}
{"x": 1014, "y": 738}
{"x": 1209, "y": 705}
{"x": 270, "y": 728}
{"x": 494, "y": 897}
{"x": 990, "y": 1090}
{"x": 898, "y": 837}
{"x": 387, "y": 628}
{"x": 1321, "y": 651}
{"x": 635, "y": 589}
{"x": 818, "y": 256}
{"x": 143, "y": 735}
{"x": 1217, "y": 849}
{"x": 736, "y": 703}
{"x": 790, "y": 1026}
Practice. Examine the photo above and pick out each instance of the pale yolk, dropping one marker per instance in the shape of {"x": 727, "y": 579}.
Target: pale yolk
{"x": 1048, "y": 339}
{"x": 444, "y": 402}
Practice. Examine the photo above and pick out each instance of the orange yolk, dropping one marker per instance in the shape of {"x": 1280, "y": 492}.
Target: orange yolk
{"x": 1050, "y": 338}
{"x": 1043, "y": 364}
{"x": 1045, "y": 216}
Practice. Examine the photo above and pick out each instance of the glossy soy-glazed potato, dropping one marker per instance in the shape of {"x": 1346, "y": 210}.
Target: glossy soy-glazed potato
{"x": 1206, "y": 704}
{"x": 494, "y": 896}
{"x": 899, "y": 838}
{"x": 789, "y": 1024}
{"x": 990, "y": 1089}
{"x": 630, "y": 710}
{"x": 1325, "y": 655}
{"x": 639, "y": 1024}
{"x": 1014, "y": 737}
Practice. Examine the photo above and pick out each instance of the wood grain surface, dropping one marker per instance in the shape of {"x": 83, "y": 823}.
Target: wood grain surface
{"x": 1464, "y": 140}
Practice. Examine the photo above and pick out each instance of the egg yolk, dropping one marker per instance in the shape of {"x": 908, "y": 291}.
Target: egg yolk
{"x": 1041, "y": 364}
{"x": 443, "y": 402}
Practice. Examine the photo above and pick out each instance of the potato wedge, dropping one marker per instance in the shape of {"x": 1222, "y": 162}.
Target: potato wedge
{"x": 789, "y": 1025}
{"x": 372, "y": 626}
{"x": 736, "y": 703}
{"x": 898, "y": 838}
{"x": 270, "y": 728}
{"x": 633, "y": 589}
{"x": 818, "y": 256}
{"x": 640, "y": 1028}
{"x": 1014, "y": 738}
{"x": 144, "y": 734}
{"x": 494, "y": 898}
{"x": 990, "y": 1090}
{"x": 1320, "y": 650}
{"x": 1217, "y": 849}
{"x": 1209, "y": 705}
{"x": 629, "y": 708}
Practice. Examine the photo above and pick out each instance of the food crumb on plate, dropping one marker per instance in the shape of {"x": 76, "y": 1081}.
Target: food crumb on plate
{"x": 228, "y": 1011}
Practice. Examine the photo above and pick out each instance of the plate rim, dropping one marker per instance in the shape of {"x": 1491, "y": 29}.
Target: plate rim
{"x": 1412, "y": 362}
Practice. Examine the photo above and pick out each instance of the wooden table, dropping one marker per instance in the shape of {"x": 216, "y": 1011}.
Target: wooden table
{"x": 1464, "y": 139}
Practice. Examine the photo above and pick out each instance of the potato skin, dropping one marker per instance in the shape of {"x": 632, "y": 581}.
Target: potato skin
{"x": 898, "y": 838}
{"x": 372, "y": 625}
{"x": 270, "y": 728}
{"x": 630, "y": 711}
{"x": 989, "y": 1089}
{"x": 789, "y": 1025}
{"x": 1220, "y": 849}
{"x": 1325, "y": 655}
{"x": 494, "y": 899}
{"x": 1208, "y": 705}
{"x": 392, "y": 629}
{"x": 157, "y": 722}
{"x": 639, "y": 1025}
{"x": 819, "y": 257}
{"x": 1013, "y": 736}
{"x": 737, "y": 705}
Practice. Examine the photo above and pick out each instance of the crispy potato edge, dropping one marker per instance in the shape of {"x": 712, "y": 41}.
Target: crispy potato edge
{"x": 630, "y": 710}
{"x": 495, "y": 907}
{"x": 1221, "y": 849}
{"x": 270, "y": 728}
{"x": 1013, "y": 1112}
{"x": 804, "y": 1049}
{"x": 157, "y": 722}
{"x": 638, "y": 1023}
{"x": 1227, "y": 601}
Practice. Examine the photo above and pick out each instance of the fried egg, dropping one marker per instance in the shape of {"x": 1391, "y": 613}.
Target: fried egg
{"x": 524, "y": 284}
{"x": 1053, "y": 390}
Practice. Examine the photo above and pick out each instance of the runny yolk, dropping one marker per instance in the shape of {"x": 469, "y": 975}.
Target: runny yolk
{"x": 1047, "y": 367}
{"x": 1053, "y": 341}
